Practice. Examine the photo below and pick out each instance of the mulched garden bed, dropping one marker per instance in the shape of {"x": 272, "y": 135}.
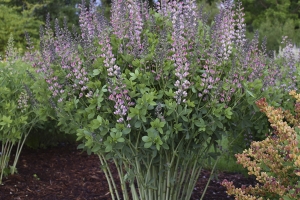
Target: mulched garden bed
{"x": 65, "y": 173}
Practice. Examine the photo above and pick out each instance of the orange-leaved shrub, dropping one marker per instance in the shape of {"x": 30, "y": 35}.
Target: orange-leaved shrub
{"x": 275, "y": 161}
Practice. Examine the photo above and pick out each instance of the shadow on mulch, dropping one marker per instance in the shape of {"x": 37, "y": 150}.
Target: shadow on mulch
{"x": 65, "y": 173}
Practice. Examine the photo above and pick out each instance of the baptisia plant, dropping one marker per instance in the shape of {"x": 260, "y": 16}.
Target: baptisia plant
{"x": 18, "y": 110}
{"x": 149, "y": 91}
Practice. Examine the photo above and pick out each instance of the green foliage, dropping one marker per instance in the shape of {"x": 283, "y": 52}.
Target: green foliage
{"x": 273, "y": 19}
{"x": 18, "y": 17}
{"x": 62, "y": 10}
{"x": 159, "y": 135}
{"x": 157, "y": 128}
{"x": 46, "y": 134}
{"x": 15, "y": 111}
{"x": 19, "y": 110}
{"x": 14, "y": 20}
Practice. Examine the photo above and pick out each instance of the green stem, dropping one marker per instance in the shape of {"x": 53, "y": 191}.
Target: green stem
{"x": 195, "y": 179}
{"x": 109, "y": 178}
{"x": 175, "y": 177}
{"x": 6, "y": 150}
{"x": 193, "y": 176}
{"x": 160, "y": 180}
{"x": 112, "y": 180}
{"x": 2, "y": 160}
{"x": 149, "y": 176}
{"x": 204, "y": 191}
{"x": 123, "y": 184}
{"x": 138, "y": 179}
{"x": 184, "y": 179}
{"x": 20, "y": 147}
{"x": 133, "y": 192}
{"x": 169, "y": 164}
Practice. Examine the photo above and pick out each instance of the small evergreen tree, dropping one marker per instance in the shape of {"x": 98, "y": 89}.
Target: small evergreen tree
{"x": 14, "y": 20}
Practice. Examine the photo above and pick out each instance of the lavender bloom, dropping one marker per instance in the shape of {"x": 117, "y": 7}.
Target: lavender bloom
{"x": 224, "y": 32}
{"x": 179, "y": 57}
{"x": 11, "y": 51}
{"x": 290, "y": 63}
{"x": 127, "y": 23}
{"x": 118, "y": 18}
{"x": 86, "y": 23}
{"x": 60, "y": 48}
{"x": 23, "y": 102}
{"x": 117, "y": 90}
{"x": 136, "y": 25}
{"x": 240, "y": 30}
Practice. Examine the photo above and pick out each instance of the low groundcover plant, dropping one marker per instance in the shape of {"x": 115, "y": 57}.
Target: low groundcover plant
{"x": 274, "y": 161}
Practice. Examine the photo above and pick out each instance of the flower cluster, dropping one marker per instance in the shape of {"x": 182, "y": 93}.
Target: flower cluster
{"x": 209, "y": 78}
{"x": 240, "y": 37}
{"x": 23, "y": 102}
{"x": 224, "y": 32}
{"x": 135, "y": 28}
{"x": 118, "y": 18}
{"x": 11, "y": 51}
{"x": 117, "y": 89}
{"x": 85, "y": 22}
{"x": 127, "y": 23}
{"x": 179, "y": 45}
{"x": 290, "y": 63}
{"x": 274, "y": 161}
{"x": 59, "y": 47}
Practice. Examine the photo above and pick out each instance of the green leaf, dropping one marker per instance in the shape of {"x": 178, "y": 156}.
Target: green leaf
{"x": 112, "y": 134}
{"x": 185, "y": 118}
{"x": 6, "y": 120}
{"x": 91, "y": 115}
{"x": 118, "y": 134}
{"x": 80, "y": 146}
{"x": 121, "y": 140}
{"x": 226, "y": 86}
{"x": 96, "y": 72}
{"x": 157, "y": 146}
{"x": 76, "y": 102}
{"x": 287, "y": 198}
{"x": 108, "y": 148}
{"x": 95, "y": 148}
{"x": 228, "y": 112}
{"x": 148, "y": 145}
{"x": 138, "y": 124}
{"x": 126, "y": 131}
{"x": 178, "y": 127}
{"x": 136, "y": 63}
{"x": 165, "y": 146}
{"x": 170, "y": 93}
{"x": 190, "y": 103}
{"x": 146, "y": 139}
{"x": 144, "y": 119}
{"x": 219, "y": 124}
{"x": 200, "y": 123}
{"x": 250, "y": 93}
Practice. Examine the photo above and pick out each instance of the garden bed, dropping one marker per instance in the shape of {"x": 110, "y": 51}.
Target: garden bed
{"x": 65, "y": 173}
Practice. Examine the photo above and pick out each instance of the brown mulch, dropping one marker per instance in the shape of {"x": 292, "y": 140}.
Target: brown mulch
{"x": 65, "y": 173}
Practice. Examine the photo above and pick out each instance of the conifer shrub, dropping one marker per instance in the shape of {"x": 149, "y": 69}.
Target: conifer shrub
{"x": 275, "y": 161}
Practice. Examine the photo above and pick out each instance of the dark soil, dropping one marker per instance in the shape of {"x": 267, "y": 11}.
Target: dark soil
{"x": 65, "y": 173}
